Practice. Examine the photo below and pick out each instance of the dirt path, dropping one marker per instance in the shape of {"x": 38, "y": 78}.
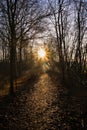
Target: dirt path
{"x": 44, "y": 106}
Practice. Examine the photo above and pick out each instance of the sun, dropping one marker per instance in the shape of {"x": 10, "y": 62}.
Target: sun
{"x": 41, "y": 53}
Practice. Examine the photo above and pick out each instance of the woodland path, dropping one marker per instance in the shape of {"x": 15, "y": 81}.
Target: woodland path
{"x": 43, "y": 106}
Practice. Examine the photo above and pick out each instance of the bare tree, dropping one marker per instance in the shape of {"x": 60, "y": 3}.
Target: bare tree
{"x": 59, "y": 8}
{"x": 80, "y": 25}
{"x": 22, "y": 21}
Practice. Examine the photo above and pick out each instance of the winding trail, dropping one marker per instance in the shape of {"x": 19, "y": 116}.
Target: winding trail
{"x": 43, "y": 106}
{"x": 40, "y": 105}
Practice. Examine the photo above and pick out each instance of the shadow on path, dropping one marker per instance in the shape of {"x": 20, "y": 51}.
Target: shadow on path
{"x": 43, "y": 105}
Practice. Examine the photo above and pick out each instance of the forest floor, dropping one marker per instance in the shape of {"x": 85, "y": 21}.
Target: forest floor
{"x": 43, "y": 104}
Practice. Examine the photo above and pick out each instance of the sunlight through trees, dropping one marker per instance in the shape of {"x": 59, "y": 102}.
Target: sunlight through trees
{"x": 41, "y": 53}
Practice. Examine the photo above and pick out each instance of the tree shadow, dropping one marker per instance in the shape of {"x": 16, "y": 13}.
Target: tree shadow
{"x": 26, "y": 87}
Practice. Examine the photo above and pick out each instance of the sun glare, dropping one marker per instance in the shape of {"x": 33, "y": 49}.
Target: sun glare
{"x": 41, "y": 53}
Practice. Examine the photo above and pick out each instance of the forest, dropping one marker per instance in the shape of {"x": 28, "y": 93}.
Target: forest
{"x": 43, "y": 43}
